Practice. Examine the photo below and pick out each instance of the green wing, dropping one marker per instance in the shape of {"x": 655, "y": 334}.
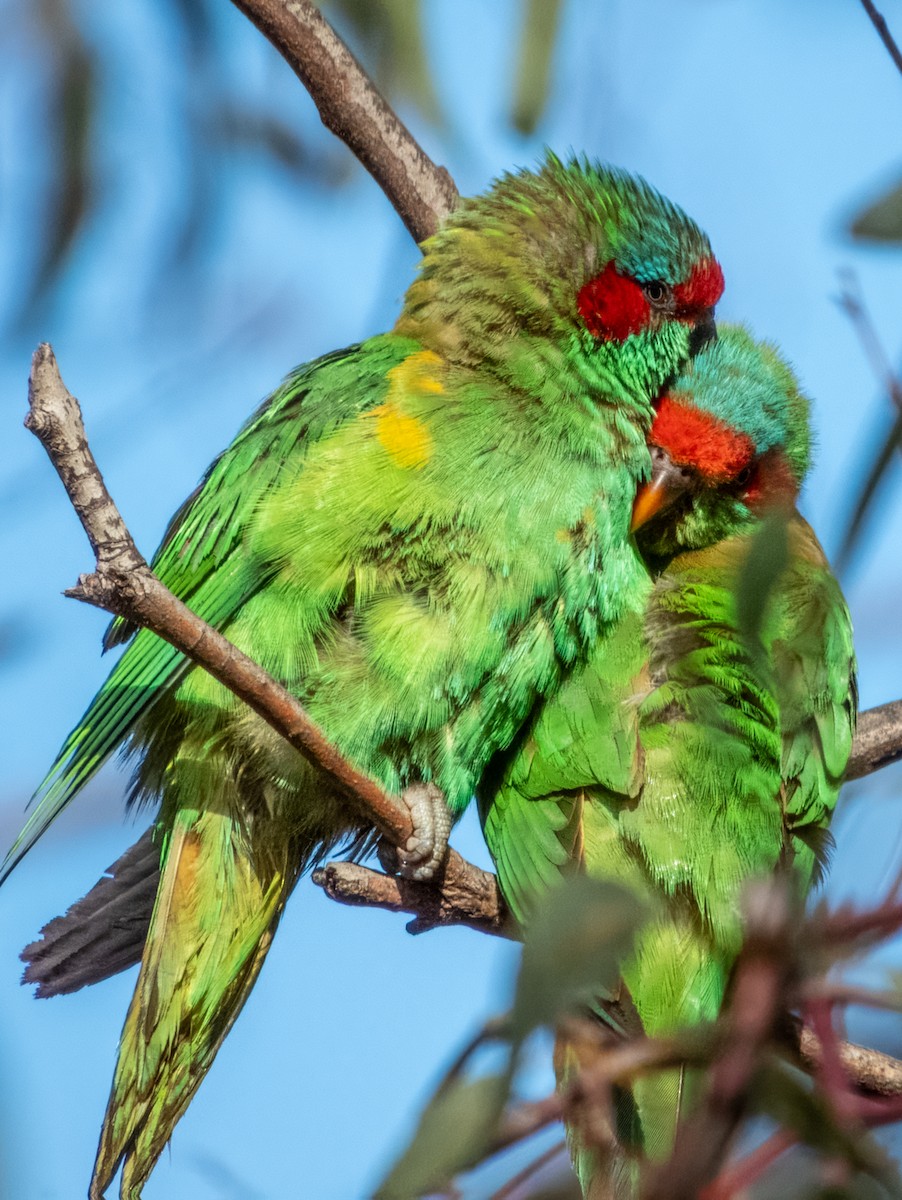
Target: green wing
{"x": 814, "y": 662}
{"x": 579, "y": 762}
{"x": 201, "y": 558}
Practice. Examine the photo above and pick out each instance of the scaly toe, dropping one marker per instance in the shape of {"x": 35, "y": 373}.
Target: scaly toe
{"x": 426, "y": 848}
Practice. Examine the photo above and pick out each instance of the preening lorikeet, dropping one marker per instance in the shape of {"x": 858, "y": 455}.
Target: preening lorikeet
{"x": 691, "y": 753}
{"x": 420, "y": 536}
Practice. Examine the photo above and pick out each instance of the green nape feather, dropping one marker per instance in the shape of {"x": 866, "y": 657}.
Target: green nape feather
{"x": 680, "y": 760}
{"x": 420, "y": 536}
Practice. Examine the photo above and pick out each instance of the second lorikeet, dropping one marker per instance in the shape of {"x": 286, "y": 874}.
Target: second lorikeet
{"x": 419, "y": 536}
{"x": 691, "y": 753}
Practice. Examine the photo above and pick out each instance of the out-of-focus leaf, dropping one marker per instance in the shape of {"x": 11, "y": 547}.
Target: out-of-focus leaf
{"x": 266, "y": 132}
{"x": 394, "y": 48}
{"x": 882, "y": 220}
{"x": 196, "y": 23}
{"x": 17, "y": 639}
{"x": 454, "y": 1134}
{"x": 862, "y": 505}
{"x": 576, "y": 943}
{"x": 538, "y": 38}
{"x": 765, "y": 562}
{"x": 70, "y": 119}
{"x": 787, "y": 1096}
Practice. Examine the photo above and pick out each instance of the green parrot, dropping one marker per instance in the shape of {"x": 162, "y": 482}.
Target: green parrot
{"x": 419, "y": 536}
{"x": 691, "y": 753}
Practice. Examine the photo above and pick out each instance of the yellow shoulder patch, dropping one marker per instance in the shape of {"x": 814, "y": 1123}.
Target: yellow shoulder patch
{"x": 405, "y": 438}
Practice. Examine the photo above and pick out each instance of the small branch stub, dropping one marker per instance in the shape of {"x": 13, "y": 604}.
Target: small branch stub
{"x": 54, "y": 417}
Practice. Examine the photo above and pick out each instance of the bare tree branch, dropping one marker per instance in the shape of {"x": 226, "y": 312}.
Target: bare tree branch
{"x": 461, "y": 894}
{"x": 352, "y": 108}
{"x": 869, "y": 1070}
{"x": 882, "y": 28}
{"x": 123, "y": 584}
{"x": 878, "y": 740}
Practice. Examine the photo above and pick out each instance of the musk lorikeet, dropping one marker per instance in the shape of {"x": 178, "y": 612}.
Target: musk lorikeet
{"x": 419, "y": 536}
{"x": 693, "y": 751}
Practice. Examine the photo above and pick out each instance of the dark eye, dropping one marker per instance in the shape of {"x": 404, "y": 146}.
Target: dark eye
{"x": 744, "y": 476}
{"x": 656, "y": 292}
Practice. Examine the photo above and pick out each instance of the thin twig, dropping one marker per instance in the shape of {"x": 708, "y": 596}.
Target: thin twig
{"x": 511, "y": 1186}
{"x": 352, "y": 108}
{"x": 886, "y": 37}
{"x": 852, "y": 304}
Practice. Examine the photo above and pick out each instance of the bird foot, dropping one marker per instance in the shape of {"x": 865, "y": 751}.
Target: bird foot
{"x": 428, "y": 844}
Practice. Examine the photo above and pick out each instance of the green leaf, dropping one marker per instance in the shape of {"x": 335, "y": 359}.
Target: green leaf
{"x": 882, "y": 220}
{"x": 454, "y": 1134}
{"x": 577, "y": 940}
{"x": 537, "y": 42}
{"x": 766, "y": 561}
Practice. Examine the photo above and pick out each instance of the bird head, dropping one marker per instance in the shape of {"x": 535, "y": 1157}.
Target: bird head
{"x": 582, "y": 256}
{"x": 730, "y": 439}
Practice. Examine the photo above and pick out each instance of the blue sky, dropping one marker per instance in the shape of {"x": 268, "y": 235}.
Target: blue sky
{"x": 770, "y": 122}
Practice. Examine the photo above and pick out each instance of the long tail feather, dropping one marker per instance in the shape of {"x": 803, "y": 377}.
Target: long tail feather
{"x": 104, "y": 932}
{"x": 216, "y": 911}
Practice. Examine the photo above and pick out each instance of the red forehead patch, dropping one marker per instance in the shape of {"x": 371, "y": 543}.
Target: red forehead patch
{"x": 697, "y": 439}
{"x": 612, "y": 306}
{"x": 702, "y": 289}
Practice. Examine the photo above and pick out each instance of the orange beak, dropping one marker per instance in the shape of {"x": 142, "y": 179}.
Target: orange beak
{"x": 668, "y": 482}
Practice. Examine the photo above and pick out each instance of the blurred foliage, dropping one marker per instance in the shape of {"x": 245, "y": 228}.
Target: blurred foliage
{"x": 538, "y": 38}
{"x": 579, "y": 937}
{"x": 212, "y": 121}
{"x": 881, "y": 221}
{"x": 454, "y": 1133}
{"x": 573, "y": 948}
{"x": 765, "y": 562}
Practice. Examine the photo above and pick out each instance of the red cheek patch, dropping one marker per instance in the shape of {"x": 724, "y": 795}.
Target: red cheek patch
{"x": 702, "y": 289}
{"x": 612, "y": 306}
{"x": 694, "y": 438}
